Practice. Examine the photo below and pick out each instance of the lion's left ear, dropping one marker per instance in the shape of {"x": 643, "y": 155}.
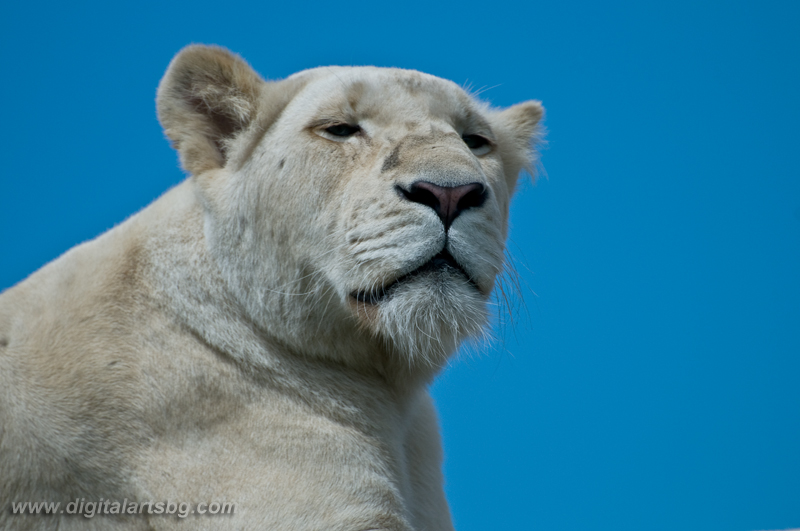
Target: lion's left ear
{"x": 519, "y": 131}
{"x": 206, "y": 98}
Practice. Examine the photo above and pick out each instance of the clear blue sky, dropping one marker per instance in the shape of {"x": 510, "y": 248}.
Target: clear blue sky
{"x": 652, "y": 378}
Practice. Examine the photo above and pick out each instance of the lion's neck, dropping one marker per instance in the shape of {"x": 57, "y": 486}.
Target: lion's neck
{"x": 268, "y": 333}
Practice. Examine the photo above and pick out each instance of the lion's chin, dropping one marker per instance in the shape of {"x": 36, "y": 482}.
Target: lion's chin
{"x": 424, "y": 319}
{"x": 439, "y": 269}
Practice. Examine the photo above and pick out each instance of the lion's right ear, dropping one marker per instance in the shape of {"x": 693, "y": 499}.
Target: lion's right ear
{"x": 520, "y": 131}
{"x": 207, "y": 97}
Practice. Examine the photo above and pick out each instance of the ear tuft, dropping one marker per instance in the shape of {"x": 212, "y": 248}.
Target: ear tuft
{"x": 207, "y": 96}
{"x": 521, "y": 133}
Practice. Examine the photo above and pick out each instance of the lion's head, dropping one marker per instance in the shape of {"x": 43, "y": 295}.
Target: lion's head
{"x": 350, "y": 210}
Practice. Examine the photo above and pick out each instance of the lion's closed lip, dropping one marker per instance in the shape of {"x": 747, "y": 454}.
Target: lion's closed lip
{"x": 442, "y": 260}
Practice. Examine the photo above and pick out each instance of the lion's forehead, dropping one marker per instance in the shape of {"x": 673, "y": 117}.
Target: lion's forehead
{"x": 384, "y": 95}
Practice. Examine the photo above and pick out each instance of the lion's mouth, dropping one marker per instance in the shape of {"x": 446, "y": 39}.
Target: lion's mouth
{"x": 442, "y": 261}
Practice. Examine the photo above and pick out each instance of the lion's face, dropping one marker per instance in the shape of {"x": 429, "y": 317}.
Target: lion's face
{"x": 350, "y": 207}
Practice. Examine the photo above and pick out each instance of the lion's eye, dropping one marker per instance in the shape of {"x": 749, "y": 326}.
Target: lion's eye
{"x": 343, "y": 129}
{"x": 475, "y": 141}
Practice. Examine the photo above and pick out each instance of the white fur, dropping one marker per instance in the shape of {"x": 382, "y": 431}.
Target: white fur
{"x": 210, "y": 348}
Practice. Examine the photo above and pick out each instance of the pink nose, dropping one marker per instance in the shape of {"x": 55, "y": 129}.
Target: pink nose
{"x": 447, "y": 201}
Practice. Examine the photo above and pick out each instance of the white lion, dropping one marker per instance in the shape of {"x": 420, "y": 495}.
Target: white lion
{"x": 264, "y": 333}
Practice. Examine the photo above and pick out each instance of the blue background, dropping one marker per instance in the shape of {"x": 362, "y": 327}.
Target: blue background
{"x": 649, "y": 376}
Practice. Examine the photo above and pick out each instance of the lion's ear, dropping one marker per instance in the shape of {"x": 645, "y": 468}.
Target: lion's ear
{"x": 207, "y": 97}
{"x": 519, "y": 127}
